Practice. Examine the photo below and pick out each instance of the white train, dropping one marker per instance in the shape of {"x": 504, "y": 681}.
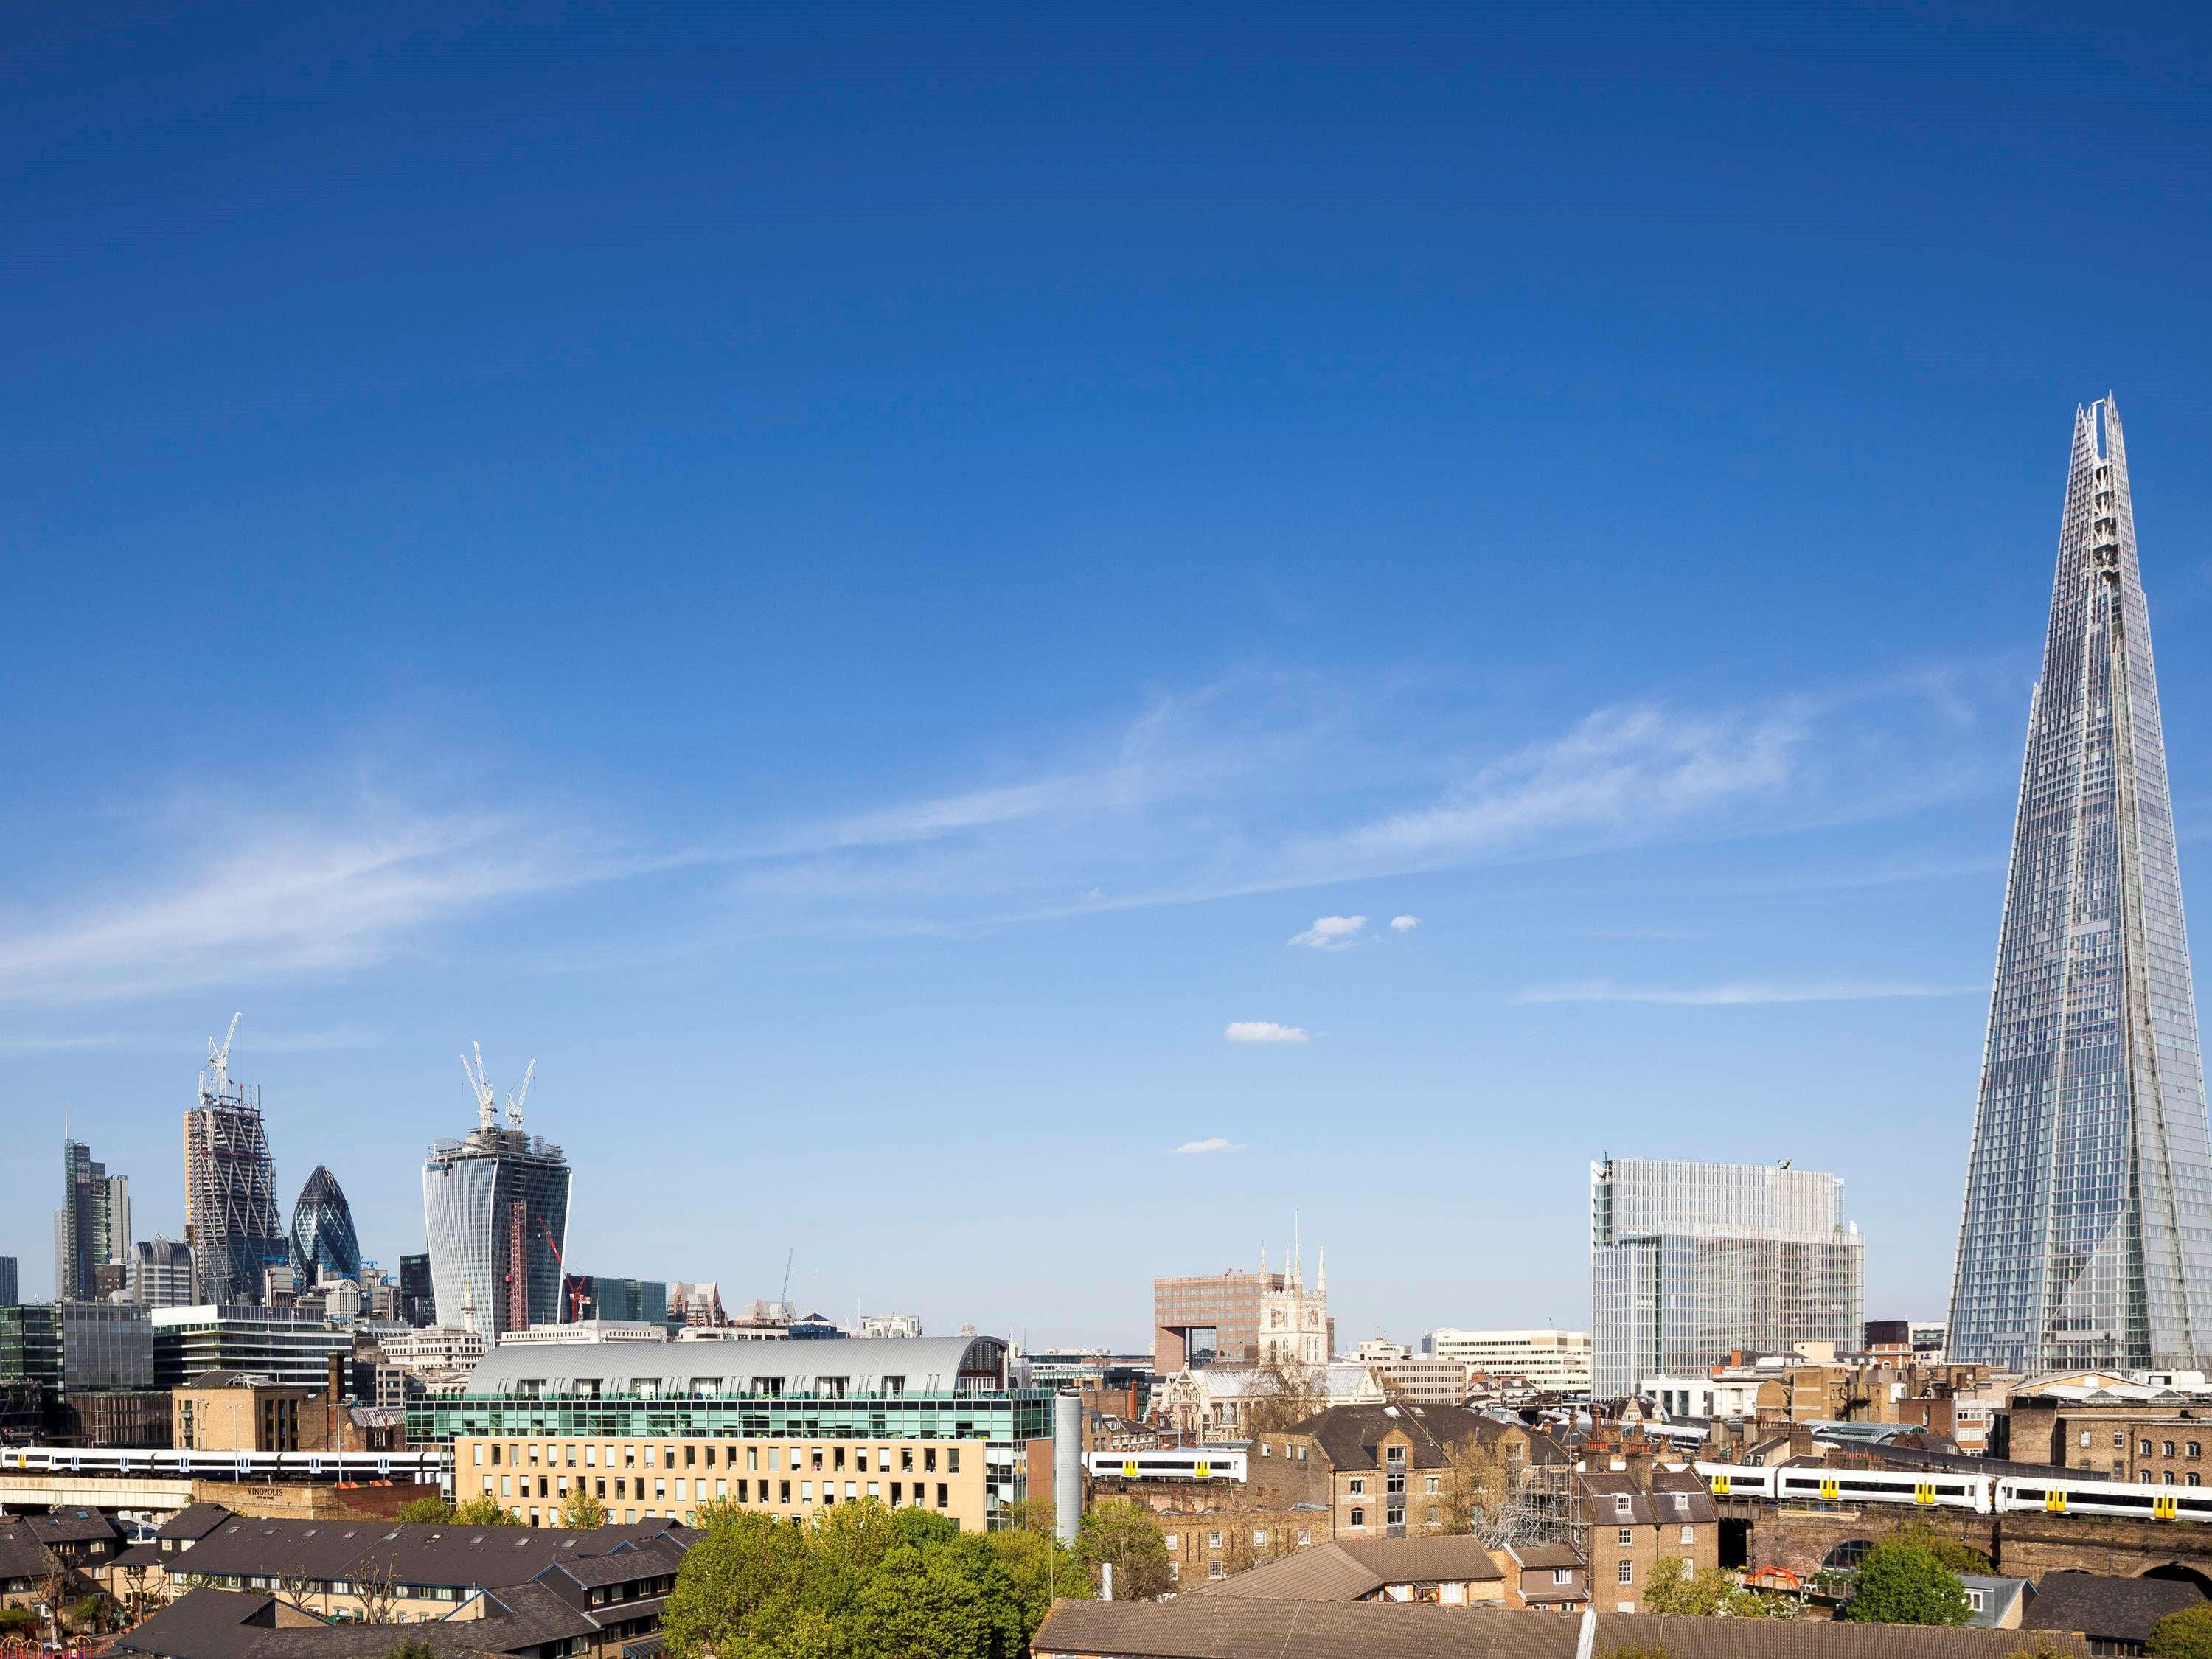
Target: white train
{"x": 424, "y": 1464}
{"x": 1955, "y": 1489}
{"x": 1170, "y": 1463}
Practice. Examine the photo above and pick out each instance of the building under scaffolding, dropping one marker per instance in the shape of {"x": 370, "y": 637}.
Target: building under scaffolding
{"x": 231, "y": 1217}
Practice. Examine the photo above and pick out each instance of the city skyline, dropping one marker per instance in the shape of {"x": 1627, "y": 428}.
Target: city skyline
{"x": 1081, "y": 621}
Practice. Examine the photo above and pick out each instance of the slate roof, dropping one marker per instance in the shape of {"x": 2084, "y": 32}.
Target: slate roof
{"x": 139, "y": 1555}
{"x": 2107, "y": 1609}
{"x": 1345, "y": 1569}
{"x": 417, "y": 1555}
{"x": 194, "y": 1521}
{"x": 1217, "y": 1627}
{"x": 205, "y": 1624}
{"x": 1547, "y": 1556}
{"x": 22, "y": 1555}
{"x": 1680, "y": 1496}
{"x": 1348, "y": 1435}
{"x": 72, "y": 1525}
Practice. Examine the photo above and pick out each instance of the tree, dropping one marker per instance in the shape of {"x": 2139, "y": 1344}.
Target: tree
{"x": 411, "y": 1647}
{"x": 583, "y": 1512}
{"x": 2183, "y": 1635}
{"x": 484, "y": 1511}
{"x": 1675, "y": 1588}
{"x": 951, "y": 1601}
{"x": 1902, "y": 1582}
{"x": 1281, "y": 1397}
{"x": 426, "y": 1512}
{"x": 1127, "y": 1535}
{"x": 745, "y": 1561}
{"x": 1956, "y": 1553}
{"x": 1042, "y": 1570}
{"x": 376, "y": 1587}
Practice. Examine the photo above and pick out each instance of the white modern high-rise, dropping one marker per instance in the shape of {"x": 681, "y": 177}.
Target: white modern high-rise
{"x": 1556, "y": 1362}
{"x": 2086, "y": 1232}
{"x": 1690, "y": 1262}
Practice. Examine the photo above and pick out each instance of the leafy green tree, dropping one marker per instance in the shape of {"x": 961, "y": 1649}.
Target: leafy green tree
{"x": 427, "y": 1511}
{"x": 1707, "y": 1591}
{"x": 949, "y": 1600}
{"x": 1042, "y": 1570}
{"x": 746, "y": 1562}
{"x": 1902, "y": 1582}
{"x": 1125, "y": 1534}
{"x": 484, "y": 1511}
{"x": 2183, "y": 1635}
{"x": 1956, "y": 1553}
{"x": 583, "y": 1512}
{"x": 15, "y": 1622}
{"x": 411, "y": 1647}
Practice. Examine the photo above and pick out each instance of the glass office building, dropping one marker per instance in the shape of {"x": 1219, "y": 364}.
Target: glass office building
{"x": 495, "y": 1205}
{"x": 285, "y": 1344}
{"x": 1690, "y": 1262}
{"x": 2086, "y": 1234}
{"x": 323, "y": 1244}
{"x": 66, "y": 1346}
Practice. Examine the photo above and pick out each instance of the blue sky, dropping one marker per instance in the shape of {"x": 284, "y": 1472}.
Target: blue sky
{"x": 852, "y": 583}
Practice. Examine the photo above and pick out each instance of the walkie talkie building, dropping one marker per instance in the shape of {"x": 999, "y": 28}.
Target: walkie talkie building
{"x": 495, "y": 1209}
{"x": 2086, "y": 1233}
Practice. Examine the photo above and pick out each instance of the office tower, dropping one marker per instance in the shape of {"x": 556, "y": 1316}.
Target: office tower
{"x": 2086, "y": 1234}
{"x": 1555, "y": 1362}
{"x": 324, "y": 1245}
{"x": 92, "y": 1228}
{"x": 1691, "y": 1262}
{"x": 495, "y": 1206}
{"x": 10, "y": 1282}
{"x": 231, "y": 1219}
{"x": 418, "y": 1303}
{"x": 160, "y": 1273}
{"x": 1237, "y": 1318}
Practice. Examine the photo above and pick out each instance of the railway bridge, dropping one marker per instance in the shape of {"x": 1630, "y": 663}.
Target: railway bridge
{"x": 1805, "y": 1537}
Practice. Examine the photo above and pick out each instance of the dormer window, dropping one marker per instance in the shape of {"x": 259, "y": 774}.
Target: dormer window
{"x": 1623, "y": 1504}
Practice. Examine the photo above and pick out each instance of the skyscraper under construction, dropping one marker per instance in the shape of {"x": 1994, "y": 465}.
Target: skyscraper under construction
{"x": 2086, "y": 1234}
{"x": 495, "y": 1207}
{"x": 231, "y": 1218}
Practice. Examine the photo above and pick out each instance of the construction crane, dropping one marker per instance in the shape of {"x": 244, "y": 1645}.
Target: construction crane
{"x": 514, "y": 1101}
{"x": 575, "y": 1289}
{"x": 480, "y": 1086}
{"x": 219, "y": 1058}
{"x": 786, "y": 1298}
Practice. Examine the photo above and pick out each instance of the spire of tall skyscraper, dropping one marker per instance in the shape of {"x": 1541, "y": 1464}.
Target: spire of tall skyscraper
{"x": 2086, "y": 1233}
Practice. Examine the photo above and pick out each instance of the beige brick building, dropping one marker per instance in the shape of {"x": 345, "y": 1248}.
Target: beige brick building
{"x": 234, "y": 1411}
{"x": 650, "y": 1479}
{"x": 1373, "y": 1471}
{"x": 1628, "y": 1520}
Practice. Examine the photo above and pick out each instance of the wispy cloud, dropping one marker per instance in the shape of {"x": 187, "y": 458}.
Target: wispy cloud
{"x": 1263, "y": 1030}
{"x": 1331, "y": 933}
{"x": 1404, "y": 924}
{"x": 263, "y": 896}
{"x": 1738, "y": 995}
{"x": 1211, "y": 1143}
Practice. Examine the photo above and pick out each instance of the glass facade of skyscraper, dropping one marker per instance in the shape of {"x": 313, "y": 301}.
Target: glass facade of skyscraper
{"x": 1690, "y": 1262}
{"x": 2086, "y": 1235}
{"x": 495, "y": 1206}
{"x": 323, "y": 1244}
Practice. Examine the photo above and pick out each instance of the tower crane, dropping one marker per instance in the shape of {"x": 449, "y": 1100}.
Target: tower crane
{"x": 514, "y": 1101}
{"x": 219, "y": 1058}
{"x": 480, "y": 1086}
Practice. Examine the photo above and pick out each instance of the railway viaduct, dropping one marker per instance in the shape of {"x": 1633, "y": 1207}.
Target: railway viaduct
{"x": 2024, "y": 1544}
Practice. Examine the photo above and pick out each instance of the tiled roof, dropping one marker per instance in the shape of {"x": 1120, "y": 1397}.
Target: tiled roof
{"x": 1219, "y": 1627}
{"x": 2107, "y": 1609}
{"x": 1345, "y": 1569}
{"x": 1548, "y": 1555}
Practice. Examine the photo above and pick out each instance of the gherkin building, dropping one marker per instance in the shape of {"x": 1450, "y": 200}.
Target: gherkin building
{"x": 324, "y": 1245}
{"x": 2085, "y": 1237}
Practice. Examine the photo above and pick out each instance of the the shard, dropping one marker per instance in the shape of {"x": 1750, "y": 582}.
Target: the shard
{"x": 2087, "y": 1235}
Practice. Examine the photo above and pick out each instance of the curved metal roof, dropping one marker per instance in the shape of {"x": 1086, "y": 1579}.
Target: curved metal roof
{"x": 817, "y": 1368}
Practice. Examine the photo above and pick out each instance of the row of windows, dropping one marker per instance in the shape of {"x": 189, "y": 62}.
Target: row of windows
{"x": 695, "y": 1492}
{"x": 564, "y": 1455}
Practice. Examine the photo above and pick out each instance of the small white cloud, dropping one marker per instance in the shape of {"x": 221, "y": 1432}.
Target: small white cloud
{"x": 1331, "y": 932}
{"x": 1211, "y": 1143}
{"x": 1404, "y": 924}
{"x": 1263, "y": 1030}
